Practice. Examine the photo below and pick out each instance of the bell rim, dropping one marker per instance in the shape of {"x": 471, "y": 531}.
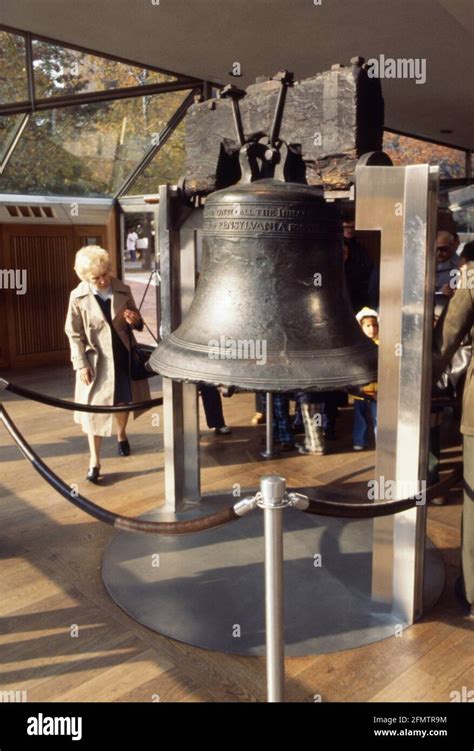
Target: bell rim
{"x": 274, "y": 387}
{"x": 363, "y": 349}
{"x": 266, "y": 383}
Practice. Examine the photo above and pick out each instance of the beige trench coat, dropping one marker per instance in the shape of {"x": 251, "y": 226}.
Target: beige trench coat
{"x": 90, "y": 340}
{"x": 456, "y": 321}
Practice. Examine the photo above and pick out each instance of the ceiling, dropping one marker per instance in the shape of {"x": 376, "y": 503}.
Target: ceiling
{"x": 203, "y": 38}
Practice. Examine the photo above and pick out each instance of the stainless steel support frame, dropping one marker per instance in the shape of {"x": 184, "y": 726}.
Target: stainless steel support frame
{"x": 401, "y": 203}
{"x": 178, "y": 238}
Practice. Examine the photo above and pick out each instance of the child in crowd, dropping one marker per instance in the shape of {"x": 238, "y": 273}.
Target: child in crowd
{"x": 364, "y": 405}
{"x": 259, "y": 417}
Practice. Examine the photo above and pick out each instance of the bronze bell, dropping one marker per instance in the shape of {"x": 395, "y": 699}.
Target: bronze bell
{"x": 271, "y": 311}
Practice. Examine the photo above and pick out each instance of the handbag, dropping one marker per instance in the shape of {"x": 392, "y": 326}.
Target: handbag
{"x": 141, "y": 353}
{"x": 139, "y": 356}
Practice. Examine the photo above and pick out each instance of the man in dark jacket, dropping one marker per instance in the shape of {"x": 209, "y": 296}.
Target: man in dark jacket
{"x": 457, "y": 321}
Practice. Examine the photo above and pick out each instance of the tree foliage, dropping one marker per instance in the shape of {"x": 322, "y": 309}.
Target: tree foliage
{"x": 88, "y": 149}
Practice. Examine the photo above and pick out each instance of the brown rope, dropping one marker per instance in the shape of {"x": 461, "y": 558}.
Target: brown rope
{"x": 53, "y": 401}
{"x": 133, "y": 524}
{"x": 129, "y": 524}
{"x": 380, "y": 508}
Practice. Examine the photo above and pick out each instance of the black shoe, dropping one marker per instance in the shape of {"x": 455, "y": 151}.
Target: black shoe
{"x": 286, "y": 446}
{"x": 93, "y": 474}
{"x": 123, "y": 448}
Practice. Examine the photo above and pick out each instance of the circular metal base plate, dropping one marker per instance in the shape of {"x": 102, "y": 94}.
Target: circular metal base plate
{"x": 207, "y": 589}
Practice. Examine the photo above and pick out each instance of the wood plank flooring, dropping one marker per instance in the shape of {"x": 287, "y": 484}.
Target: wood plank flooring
{"x": 63, "y": 639}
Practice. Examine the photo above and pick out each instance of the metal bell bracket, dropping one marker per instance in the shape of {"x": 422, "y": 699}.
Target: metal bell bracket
{"x": 259, "y": 153}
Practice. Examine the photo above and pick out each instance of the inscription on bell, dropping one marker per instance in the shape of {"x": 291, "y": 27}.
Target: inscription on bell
{"x": 260, "y": 212}
{"x": 255, "y": 225}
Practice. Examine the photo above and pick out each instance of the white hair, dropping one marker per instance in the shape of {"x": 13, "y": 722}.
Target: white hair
{"x": 91, "y": 260}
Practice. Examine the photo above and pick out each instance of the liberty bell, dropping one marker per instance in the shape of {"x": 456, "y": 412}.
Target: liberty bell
{"x": 271, "y": 311}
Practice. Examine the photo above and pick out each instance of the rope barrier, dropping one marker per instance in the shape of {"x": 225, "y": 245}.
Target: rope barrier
{"x": 53, "y": 401}
{"x": 378, "y": 508}
{"x": 126, "y": 523}
{"x": 300, "y": 501}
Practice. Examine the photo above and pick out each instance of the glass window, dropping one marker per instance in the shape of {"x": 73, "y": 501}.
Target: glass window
{"x": 87, "y": 150}
{"x": 13, "y": 80}
{"x": 166, "y": 167}
{"x": 404, "y": 150}
{"x": 461, "y": 203}
{"x": 60, "y": 71}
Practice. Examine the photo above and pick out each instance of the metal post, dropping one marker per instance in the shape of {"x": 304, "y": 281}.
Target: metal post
{"x": 269, "y": 452}
{"x": 180, "y": 406}
{"x": 272, "y": 488}
{"x": 401, "y": 203}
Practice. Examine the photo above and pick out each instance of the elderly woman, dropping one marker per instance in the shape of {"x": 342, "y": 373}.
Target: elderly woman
{"x": 100, "y": 317}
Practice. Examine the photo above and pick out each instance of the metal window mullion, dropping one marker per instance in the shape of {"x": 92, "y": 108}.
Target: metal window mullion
{"x": 30, "y": 75}
{"x": 14, "y": 142}
{"x": 96, "y": 97}
{"x": 168, "y": 129}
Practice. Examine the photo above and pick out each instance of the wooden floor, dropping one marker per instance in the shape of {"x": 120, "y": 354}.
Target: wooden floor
{"x": 51, "y": 587}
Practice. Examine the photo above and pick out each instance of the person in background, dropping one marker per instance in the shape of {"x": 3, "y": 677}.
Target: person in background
{"x": 260, "y": 409}
{"x": 282, "y": 429}
{"x": 312, "y": 413}
{"x": 366, "y": 405}
{"x": 100, "y": 317}
{"x": 132, "y": 239}
{"x": 212, "y": 403}
{"x": 467, "y": 254}
{"x": 436, "y": 419}
{"x": 456, "y": 322}
{"x": 450, "y": 385}
{"x": 447, "y": 264}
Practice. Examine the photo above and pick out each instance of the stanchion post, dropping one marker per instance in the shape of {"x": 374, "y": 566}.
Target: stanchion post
{"x": 269, "y": 452}
{"x": 273, "y": 502}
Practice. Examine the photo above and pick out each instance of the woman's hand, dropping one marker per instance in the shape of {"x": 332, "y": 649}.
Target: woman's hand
{"x": 86, "y": 376}
{"x": 132, "y": 317}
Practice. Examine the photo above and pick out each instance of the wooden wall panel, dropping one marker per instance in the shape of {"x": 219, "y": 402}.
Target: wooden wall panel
{"x": 32, "y": 325}
{"x": 36, "y": 319}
